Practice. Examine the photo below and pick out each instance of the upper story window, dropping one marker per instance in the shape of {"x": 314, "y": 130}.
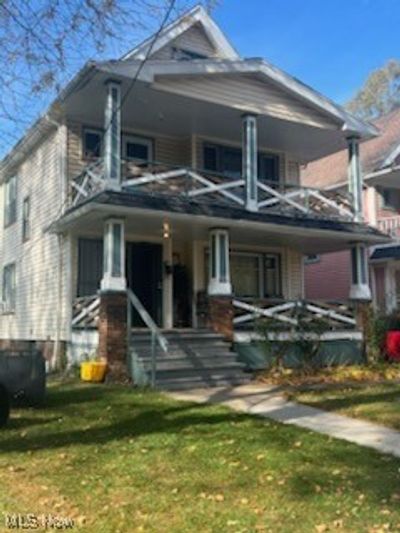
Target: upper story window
{"x": 26, "y": 219}
{"x": 10, "y": 204}
{"x": 182, "y": 54}
{"x": 227, "y": 160}
{"x": 136, "y": 148}
{"x": 390, "y": 198}
{"x": 8, "y": 288}
{"x": 92, "y": 143}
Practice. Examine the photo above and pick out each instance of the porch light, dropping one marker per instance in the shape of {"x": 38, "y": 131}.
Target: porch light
{"x": 166, "y": 230}
{"x": 219, "y": 275}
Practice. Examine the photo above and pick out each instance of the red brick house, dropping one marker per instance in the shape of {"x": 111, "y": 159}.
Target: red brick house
{"x": 328, "y": 276}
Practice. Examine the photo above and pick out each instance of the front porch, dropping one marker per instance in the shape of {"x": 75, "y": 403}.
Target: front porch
{"x": 192, "y": 273}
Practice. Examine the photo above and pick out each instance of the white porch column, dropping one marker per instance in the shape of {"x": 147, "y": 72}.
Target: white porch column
{"x": 355, "y": 177}
{"x": 114, "y": 256}
{"x": 249, "y": 160}
{"x": 359, "y": 290}
{"x": 168, "y": 295}
{"x": 112, "y": 138}
{"x": 220, "y": 279}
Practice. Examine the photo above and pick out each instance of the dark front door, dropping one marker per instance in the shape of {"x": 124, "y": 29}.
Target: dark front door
{"x": 144, "y": 277}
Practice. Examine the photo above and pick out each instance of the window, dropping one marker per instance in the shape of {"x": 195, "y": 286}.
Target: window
{"x": 256, "y": 275}
{"x": 8, "y": 288}
{"x": 26, "y": 219}
{"x": 268, "y": 169}
{"x": 137, "y": 148}
{"x": 186, "y": 55}
{"x": 227, "y": 160}
{"x": 311, "y": 259}
{"x": 390, "y": 198}
{"x": 10, "y": 207}
{"x": 92, "y": 143}
{"x": 246, "y": 275}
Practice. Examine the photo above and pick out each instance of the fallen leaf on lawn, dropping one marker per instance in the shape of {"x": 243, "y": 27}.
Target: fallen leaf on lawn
{"x": 174, "y": 491}
{"x": 336, "y": 472}
{"x": 298, "y": 444}
{"x": 219, "y": 498}
{"x": 317, "y": 488}
{"x": 320, "y": 528}
{"x": 244, "y": 501}
{"x": 260, "y": 456}
{"x": 232, "y": 522}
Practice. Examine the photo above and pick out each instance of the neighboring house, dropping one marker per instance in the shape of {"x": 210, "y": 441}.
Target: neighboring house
{"x": 173, "y": 171}
{"x": 328, "y": 277}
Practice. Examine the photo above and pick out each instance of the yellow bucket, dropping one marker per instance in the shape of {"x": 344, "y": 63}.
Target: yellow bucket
{"x": 93, "y": 371}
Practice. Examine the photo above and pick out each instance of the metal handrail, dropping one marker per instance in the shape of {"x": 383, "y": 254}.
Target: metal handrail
{"x": 156, "y": 336}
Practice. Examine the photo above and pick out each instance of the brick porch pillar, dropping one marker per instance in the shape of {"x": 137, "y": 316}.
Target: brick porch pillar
{"x": 112, "y": 327}
{"x": 220, "y": 315}
{"x": 220, "y": 308}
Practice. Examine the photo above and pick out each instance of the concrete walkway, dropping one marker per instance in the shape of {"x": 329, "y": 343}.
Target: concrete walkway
{"x": 263, "y": 400}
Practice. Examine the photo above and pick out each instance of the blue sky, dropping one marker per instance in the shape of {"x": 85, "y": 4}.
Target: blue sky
{"x": 331, "y": 45}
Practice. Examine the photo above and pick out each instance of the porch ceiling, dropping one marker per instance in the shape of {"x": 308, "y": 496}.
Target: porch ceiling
{"x": 388, "y": 177}
{"x": 156, "y": 111}
{"x": 145, "y": 214}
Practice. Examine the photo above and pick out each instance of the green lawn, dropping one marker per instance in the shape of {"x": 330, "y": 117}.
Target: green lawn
{"x": 377, "y": 403}
{"x": 121, "y": 460}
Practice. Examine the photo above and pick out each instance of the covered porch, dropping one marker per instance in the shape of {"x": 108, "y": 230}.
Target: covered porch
{"x": 178, "y": 257}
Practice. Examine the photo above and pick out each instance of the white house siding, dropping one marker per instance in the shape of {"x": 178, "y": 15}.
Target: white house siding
{"x": 193, "y": 40}
{"x": 246, "y": 93}
{"x": 293, "y": 172}
{"x": 167, "y": 149}
{"x": 40, "y": 262}
{"x": 294, "y": 276}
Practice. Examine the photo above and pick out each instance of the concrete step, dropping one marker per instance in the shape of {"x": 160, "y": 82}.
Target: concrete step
{"x": 192, "y": 383}
{"x": 195, "y": 358}
{"x": 183, "y": 364}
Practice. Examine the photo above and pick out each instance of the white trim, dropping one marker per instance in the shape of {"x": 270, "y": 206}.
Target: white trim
{"x": 360, "y": 292}
{"x": 137, "y": 139}
{"x": 168, "y": 305}
{"x": 196, "y": 15}
{"x": 152, "y": 70}
{"x": 112, "y": 144}
{"x": 219, "y": 282}
{"x": 249, "y": 336}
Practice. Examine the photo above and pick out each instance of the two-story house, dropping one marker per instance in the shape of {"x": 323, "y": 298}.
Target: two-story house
{"x": 329, "y": 276}
{"x": 170, "y": 178}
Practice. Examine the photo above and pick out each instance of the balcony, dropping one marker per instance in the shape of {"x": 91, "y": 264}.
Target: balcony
{"x": 154, "y": 178}
{"x": 390, "y": 226}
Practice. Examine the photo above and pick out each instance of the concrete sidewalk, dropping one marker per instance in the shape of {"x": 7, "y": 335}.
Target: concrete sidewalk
{"x": 263, "y": 400}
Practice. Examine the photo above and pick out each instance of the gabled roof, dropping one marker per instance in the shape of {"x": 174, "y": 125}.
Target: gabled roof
{"x": 376, "y": 154}
{"x": 196, "y": 16}
{"x": 266, "y": 71}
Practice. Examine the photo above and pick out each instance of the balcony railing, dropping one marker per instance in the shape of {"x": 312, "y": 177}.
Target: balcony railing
{"x": 160, "y": 178}
{"x": 390, "y": 225}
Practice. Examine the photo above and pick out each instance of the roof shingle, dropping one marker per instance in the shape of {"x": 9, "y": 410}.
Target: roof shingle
{"x": 332, "y": 169}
